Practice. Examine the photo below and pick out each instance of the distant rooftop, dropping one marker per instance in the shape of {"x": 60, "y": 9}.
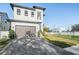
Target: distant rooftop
{"x": 4, "y": 13}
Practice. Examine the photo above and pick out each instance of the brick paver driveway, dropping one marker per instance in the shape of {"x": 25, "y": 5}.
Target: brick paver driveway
{"x": 32, "y": 46}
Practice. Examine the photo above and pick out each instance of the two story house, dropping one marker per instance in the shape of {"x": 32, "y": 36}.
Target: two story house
{"x": 27, "y": 19}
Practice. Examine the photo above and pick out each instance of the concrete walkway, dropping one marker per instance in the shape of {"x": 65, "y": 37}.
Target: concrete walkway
{"x": 73, "y": 49}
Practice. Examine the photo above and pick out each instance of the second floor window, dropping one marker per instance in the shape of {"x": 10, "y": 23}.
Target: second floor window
{"x": 32, "y": 14}
{"x": 26, "y": 13}
{"x": 38, "y": 15}
{"x": 18, "y": 11}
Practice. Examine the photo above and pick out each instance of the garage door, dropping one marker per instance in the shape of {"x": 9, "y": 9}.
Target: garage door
{"x": 21, "y": 30}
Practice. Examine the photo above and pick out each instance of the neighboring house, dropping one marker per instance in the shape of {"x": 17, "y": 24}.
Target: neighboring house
{"x": 4, "y": 25}
{"x": 27, "y": 19}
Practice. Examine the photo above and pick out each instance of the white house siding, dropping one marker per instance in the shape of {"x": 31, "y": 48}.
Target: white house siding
{"x": 27, "y": 18}
{"x": 13, "y": 24}
{"x": 37, "y": 10}
{"x": 22, "y": 15}
{"x": 4, "y": 34}
{"x": 42, "y": 27}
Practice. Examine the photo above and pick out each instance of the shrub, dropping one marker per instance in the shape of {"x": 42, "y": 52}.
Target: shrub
{"x": 46, "y": 29}
{"x": 3, "y": 42}
{"x": 12, "y": 34}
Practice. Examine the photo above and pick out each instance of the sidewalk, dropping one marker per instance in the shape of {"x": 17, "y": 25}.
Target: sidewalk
{"x": 73, "y": 49}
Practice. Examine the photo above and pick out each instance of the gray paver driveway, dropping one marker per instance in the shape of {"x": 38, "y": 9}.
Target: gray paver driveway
{"x": 33, "y": 46}
{"x": 73, "y": 49}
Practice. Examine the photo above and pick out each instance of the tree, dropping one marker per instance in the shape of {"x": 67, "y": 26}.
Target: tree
{"x": 75, "y": 27}
{"x": 45, "y": 29}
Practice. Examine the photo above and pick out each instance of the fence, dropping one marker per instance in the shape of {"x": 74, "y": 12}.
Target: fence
{"x": 64, "y": 33}
{"x": 70, "y": 33}
{"x": 4, "y": 34}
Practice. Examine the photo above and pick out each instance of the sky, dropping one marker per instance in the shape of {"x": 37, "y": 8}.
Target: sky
{"x": 56, "y": 14}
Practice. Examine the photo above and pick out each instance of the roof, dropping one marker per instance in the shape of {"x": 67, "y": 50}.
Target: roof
{"x": 38, "y": 7}
{"x": 14, "y": 5}
{"x": 13, "y": 20}
{"x": 34, "y": 7}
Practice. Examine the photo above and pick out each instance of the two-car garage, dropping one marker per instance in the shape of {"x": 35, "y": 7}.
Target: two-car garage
{"x": 22, "y": 30}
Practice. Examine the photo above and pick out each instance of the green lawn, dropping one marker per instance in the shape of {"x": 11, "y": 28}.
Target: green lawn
{"x": 3, "y": 42}
{"x": 62, "y": 40}
{"x": 73, "y": 37}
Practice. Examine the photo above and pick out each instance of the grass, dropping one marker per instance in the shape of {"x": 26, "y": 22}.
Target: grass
{"x": 3, "y": 42}
{"x": 73, "y": 37}
{"x": 62, "y": 41}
